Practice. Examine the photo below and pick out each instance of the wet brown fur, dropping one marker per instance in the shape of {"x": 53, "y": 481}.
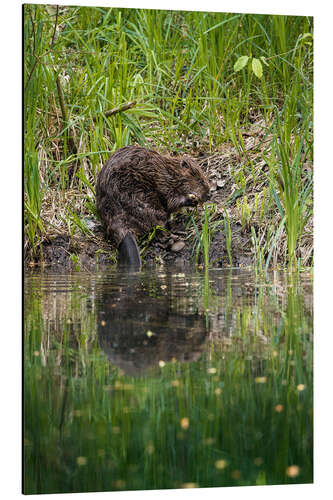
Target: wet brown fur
{"x": 138, "y": 189}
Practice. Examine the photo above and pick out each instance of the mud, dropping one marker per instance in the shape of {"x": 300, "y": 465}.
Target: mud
{"x": 174, "y": 247}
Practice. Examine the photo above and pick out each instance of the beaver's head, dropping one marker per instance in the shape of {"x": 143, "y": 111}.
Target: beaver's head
{"x": 195, "y": 185}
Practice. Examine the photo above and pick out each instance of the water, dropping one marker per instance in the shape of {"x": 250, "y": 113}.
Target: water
{"x": 167, "y": 380}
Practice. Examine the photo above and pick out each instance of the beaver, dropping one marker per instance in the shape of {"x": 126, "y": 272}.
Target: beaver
{"x": 138, "y": 189}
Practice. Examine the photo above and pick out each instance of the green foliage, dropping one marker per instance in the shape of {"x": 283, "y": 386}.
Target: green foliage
{"x": 75, "y": 261}
{"x": 203, "y": 238}
{"x": 227, "y": 232}
{"x": 32, "y": 201}
{"x": 195, "y": 77}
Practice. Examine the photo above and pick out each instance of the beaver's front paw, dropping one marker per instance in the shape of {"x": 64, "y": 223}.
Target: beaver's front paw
{"x": 191, "y": 200}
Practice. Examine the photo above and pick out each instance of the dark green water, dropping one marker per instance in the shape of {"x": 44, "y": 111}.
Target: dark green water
{"x": 166, "y": 380}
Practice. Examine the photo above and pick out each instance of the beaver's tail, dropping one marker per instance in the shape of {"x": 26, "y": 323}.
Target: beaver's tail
{"x": 128, "y": 253}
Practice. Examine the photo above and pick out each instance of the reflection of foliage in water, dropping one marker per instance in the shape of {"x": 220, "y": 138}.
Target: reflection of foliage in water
{"x": 240, "y": 415}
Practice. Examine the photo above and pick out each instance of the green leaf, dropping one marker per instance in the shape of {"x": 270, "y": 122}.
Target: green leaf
{"x": 306, "y": 35}
{"x": 264, "y": 60}
{"x": 257, "y": 67}
{"x": 240, "y": 63}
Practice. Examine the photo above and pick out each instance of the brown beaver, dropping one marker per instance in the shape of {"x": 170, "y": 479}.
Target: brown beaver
{"x": 138, "y": 189}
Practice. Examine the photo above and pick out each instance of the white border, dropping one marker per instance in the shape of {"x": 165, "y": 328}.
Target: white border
{"x": 11, "y": 243}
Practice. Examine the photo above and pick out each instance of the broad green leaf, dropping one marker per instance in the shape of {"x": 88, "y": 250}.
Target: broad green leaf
{"x": 257, "y": 67}
{"x": 240, "y": 63}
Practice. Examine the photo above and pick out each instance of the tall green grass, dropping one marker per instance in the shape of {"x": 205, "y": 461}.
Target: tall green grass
{"x": 179, "y": 69}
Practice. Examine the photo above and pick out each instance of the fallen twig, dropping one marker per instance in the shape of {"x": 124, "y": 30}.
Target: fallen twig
{"x": 118, "y": 109}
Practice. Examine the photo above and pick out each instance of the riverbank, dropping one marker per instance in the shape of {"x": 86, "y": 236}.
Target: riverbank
{"x": 251, "y": 222}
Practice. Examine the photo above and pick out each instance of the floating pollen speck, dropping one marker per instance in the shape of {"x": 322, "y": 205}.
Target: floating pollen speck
{"x": 221, "y": 464}
{"x": 149, "y": 333}
{"x": 184, "y": 423}
{"x": 81, "y": 460}
{"x": 175, "y": 383}
{"x": 150, "y": 448}
{"x": 209, "y": 441}
{"x": 211, "y": 370}
{"x": 120, "y": 484}
{"x": 300, "y": 387}
{"x": 218, "y": 391}
{"x": 292, "y": 471}
{"x": 189, "y": 485}
{"x": 161, "y": 363}
{"x": 36, "y": 353}
{"x": 278, "y": 408}
{"x": 103, "y": 323}
{"x": 260, "y": 380}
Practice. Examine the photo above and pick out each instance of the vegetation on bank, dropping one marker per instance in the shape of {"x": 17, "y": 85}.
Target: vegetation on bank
{"x": 233, "y": 90}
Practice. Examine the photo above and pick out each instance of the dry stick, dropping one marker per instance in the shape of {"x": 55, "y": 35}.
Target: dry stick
{"x": 55, "y": 28}
{"x": 113, "y": 111}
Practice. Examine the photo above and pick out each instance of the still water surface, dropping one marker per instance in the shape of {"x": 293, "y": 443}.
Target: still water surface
{"x": 164, "y": 379}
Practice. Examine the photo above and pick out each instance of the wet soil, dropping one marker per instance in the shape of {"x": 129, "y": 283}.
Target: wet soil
{"x": 176, "y": 246}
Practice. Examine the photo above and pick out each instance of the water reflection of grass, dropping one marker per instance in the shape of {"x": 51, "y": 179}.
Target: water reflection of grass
{"x": 242, "y": 415}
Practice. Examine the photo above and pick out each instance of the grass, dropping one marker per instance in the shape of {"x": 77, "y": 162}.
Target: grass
{"x": 82, "y": 65}
{"x": 240, "y": 415}
{"x": 205, "y": 236}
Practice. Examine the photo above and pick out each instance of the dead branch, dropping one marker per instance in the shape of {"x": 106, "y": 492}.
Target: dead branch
{"x": 123, "y": 107}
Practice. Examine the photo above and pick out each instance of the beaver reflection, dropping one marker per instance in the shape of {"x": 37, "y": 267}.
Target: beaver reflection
{"x": 137, "y": 328}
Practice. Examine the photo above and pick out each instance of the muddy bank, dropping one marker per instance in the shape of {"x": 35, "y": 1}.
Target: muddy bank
{"x": 174, "y": 246}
